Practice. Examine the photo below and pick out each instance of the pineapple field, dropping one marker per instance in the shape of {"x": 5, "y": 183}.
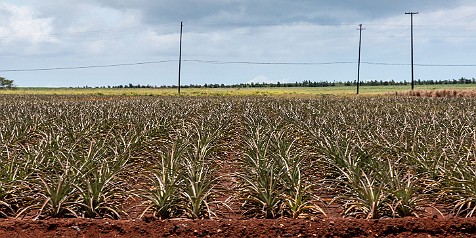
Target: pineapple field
{"x": 237, "y": 166}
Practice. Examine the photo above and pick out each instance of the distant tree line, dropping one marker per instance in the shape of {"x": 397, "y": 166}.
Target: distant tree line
{"x": 305, "y": 83}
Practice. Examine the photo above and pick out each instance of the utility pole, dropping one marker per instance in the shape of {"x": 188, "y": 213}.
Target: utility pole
{"x": 180, "y": 57}
{"x": 411, "y": 27}
{"x": 358, "y": 64}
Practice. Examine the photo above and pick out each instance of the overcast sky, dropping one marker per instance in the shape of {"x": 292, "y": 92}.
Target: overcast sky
{"x": 226, "y": 41}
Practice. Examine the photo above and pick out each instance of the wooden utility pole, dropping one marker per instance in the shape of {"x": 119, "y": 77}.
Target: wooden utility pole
{"x": 358, "y": 64}
{"x": 180, "y": 57}
{"x": 411, "y": 27}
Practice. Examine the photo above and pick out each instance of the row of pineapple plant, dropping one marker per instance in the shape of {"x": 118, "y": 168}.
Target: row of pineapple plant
{"x": 86, "y": 156}
{"x": 394, "y": 157}
{"x": 273, "y": 169}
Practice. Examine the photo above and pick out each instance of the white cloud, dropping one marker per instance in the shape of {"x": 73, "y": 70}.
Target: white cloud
{"x": 162, "y": 44}
{"x": 22, "y": 24}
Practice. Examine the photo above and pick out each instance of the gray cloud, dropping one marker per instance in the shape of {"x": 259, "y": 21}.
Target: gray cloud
{"x": 224, "y": 12}
{"x": 91, "y": 32}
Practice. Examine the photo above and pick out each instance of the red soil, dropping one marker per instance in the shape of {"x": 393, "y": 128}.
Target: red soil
{"x": 414, "y": 227}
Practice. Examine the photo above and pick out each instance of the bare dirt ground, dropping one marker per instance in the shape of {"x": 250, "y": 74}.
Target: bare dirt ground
{"x": 406, "y": 227}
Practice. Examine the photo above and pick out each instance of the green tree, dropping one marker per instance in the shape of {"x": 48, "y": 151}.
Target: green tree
{"x": 6, "y": 83}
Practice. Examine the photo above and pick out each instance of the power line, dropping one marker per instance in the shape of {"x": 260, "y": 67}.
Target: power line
{"x": 457, "y": 20}
{"x": 324, "y": 63}
{"x": 87, "y": 67}
{"x": 97, "y": 36}
{"x": 446, "y": 65}
{"x": 268, "y": 63}
{"x": 451, "y": 6}
{"x": 138, "y": 27}
{"x": 385, "y": 64}
{"x": 233, "y": 62}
